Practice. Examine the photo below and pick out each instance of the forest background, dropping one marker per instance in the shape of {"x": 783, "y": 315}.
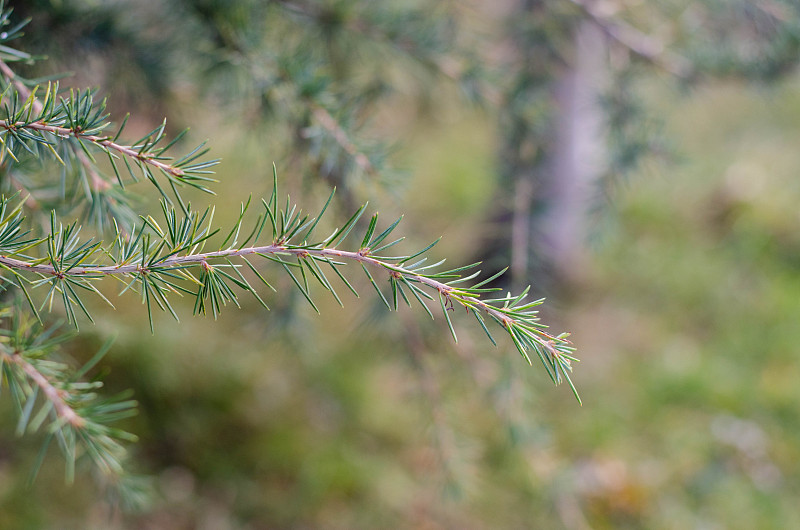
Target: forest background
{"x": 671, "y": 256}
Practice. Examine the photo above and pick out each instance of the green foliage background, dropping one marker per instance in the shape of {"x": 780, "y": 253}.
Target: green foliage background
{"x": 685, "y": 314}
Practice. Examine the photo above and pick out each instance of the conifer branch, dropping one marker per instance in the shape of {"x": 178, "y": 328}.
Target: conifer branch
{"x": 98, "y": 183}
{"x": 163, "y": 261}
{"x": 49, "y": 396}
{"x": 137, "y": 152}
{"x": 73, "y": 122}
{"x": 55, "y": 396}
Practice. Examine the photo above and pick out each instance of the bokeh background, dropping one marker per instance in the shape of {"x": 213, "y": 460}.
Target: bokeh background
{"x": 636, "y": 161}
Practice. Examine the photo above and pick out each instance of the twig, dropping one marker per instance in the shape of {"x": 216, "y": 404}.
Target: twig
{"x": 53, "y": 394}
{"x": 641, "y": 44}
{"x": 330, "y": 124}
{"x": 101, "y": 141}
{"x": 98, "y": 183}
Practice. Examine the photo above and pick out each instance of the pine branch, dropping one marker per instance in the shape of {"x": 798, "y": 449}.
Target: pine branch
{"x": 49, "y": 396}
{"x": 161, "y": 262}
{"x": 56, "y": 397}
{"x": 71, "y": 125}
{"x": 138, "y": 152}
{"x": 98, "y": 183}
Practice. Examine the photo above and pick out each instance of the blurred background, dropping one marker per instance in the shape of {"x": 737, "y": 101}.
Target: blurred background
{"x": 636, "y": 161}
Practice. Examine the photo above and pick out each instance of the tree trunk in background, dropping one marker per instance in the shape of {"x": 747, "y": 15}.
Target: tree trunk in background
{"x": 579, "y": 155}
{"x": 551, "y": 159}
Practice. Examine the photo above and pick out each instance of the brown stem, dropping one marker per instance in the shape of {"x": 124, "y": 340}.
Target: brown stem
{"x": 53, "y": 394}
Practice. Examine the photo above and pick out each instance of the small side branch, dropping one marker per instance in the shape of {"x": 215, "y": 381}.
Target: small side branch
{"x": 45, "y": 123}
{"x": 54, "y": 395}
{"x": 330, "y": 124}
{"x": 101, "y": 141}
{"x": 640, "y": 44}
{"x": 98, "y": 183}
